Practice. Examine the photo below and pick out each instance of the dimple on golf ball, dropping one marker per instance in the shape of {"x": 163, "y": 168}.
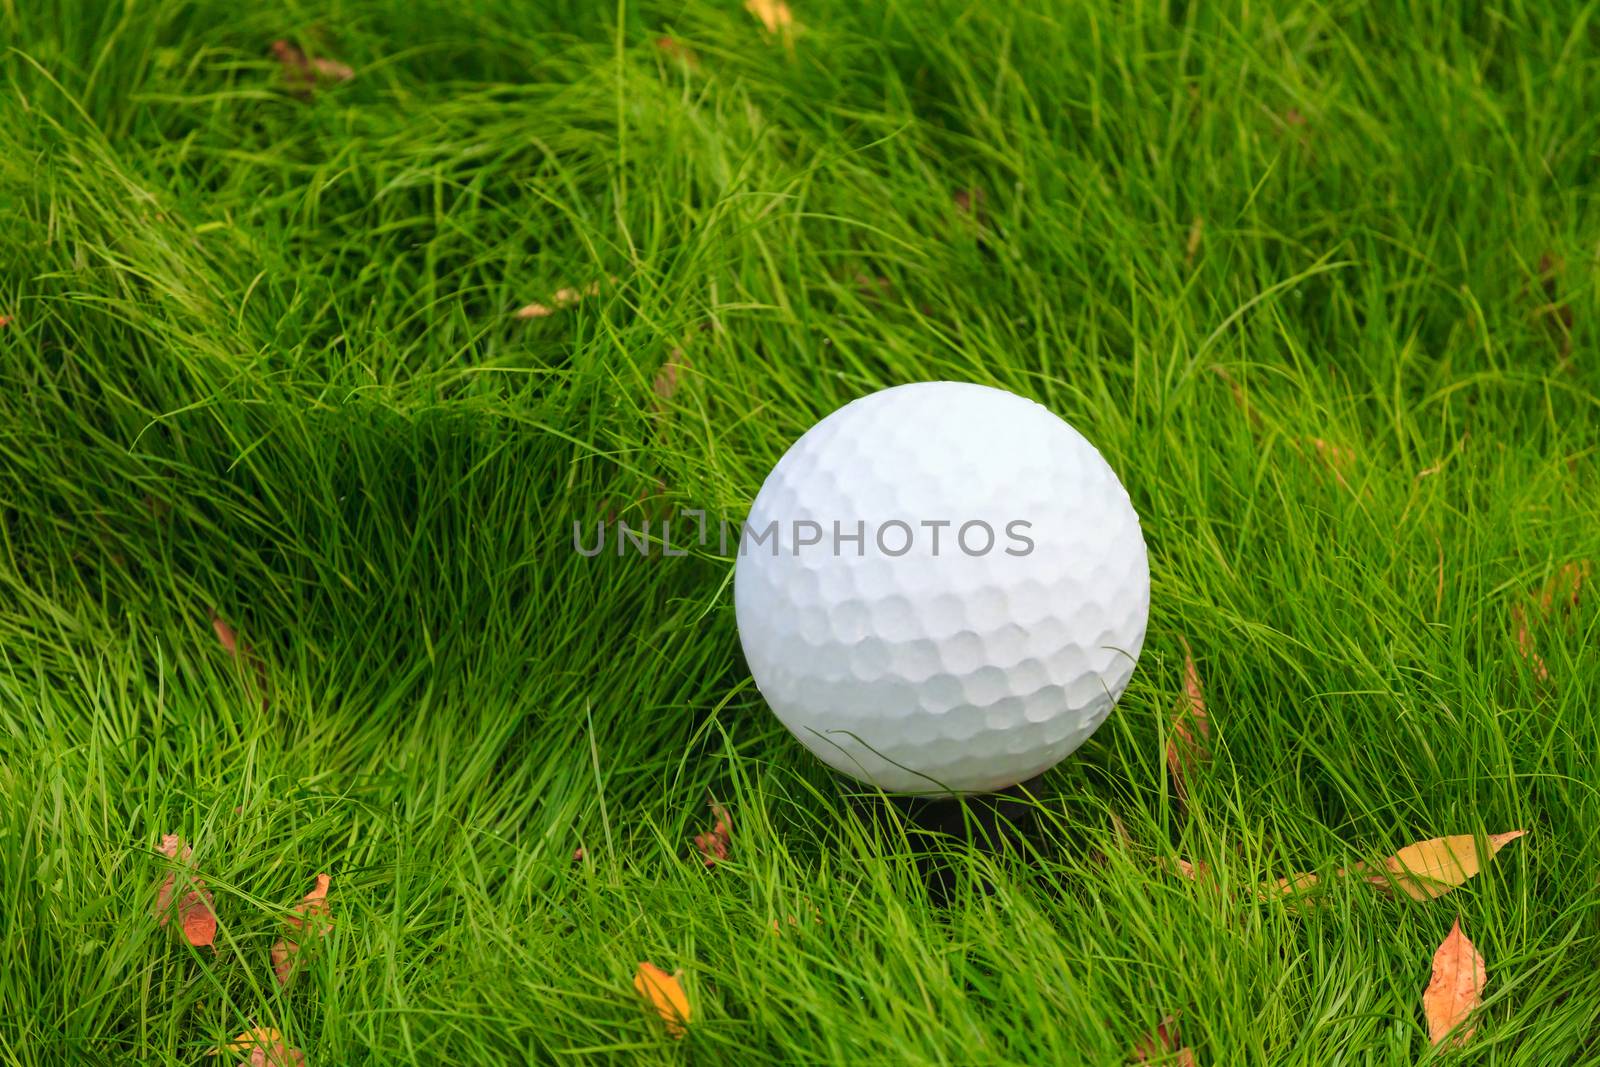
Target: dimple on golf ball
{"x": 942, "y": 588}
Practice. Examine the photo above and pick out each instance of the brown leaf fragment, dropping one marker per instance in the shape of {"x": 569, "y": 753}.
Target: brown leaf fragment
{"x": 1191, "y": 728}
{"x": 969, "y": 203}
{"x": 665, "y": 993}
{"x": 564, "y": 297}
{"x": 1525, "y": 649}
{"x": 1239, "y": 399}
{"x": 1561, "y": 590}
{"x": 262, "y": 1047}
{"x": 673, "y": 50}
{"x": 1292, "y": 117}
{"x": 173, "y": 848}
{"x": 667, "y": 378}
{"x": 304, "y": 72}
{"x": 312, "y": 918}
{"x": 1432, "y": 868}
{"x": 1192, "y": 245}
{"x": 715, "y": 842}
{"x": 241, "y": 652}
{"x": 1455, "y": 989}
{"x": 1337, "y": 458}
{"x": 1161, "y": 1046}
{"x": 1195, "y": 872}
{"x": 5, "y": 320}
{"x": 578, "y": 855}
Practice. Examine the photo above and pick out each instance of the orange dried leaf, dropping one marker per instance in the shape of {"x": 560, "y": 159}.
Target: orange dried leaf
{"x": 1562, "y": 589}
{"x": 564, "y": 297}
{"x": 283, "y": 956}
{"x": 5, "y": 320}
{"x": 263, "y": 1047}
{"x": 1158, "y": 1043}
{"x": 312, "y": 916}
{"x": 665, "y": 993}
{"x": 1432, "y": 868}
{"x": 198, "y": 921}
{"x": 1455, "y": 990}
{"x": 1191, "y": 727}
{"x": 715, "y": 842}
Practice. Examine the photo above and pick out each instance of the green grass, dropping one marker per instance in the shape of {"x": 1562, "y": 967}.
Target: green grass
{"x": 263, "y": 359}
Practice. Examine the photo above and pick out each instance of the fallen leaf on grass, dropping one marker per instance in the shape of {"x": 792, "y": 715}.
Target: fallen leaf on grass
{"x": 241, "y": 652}
{"x": 311, "y": 917}
{"x": 561, "y": 298}
{"x": 715, "y": 842}
{"x": 264, "y": 1047}
{"x": 674, "y": 50}
{"x": 1432, "y": 868}
{"x": 1239, "y": 399}
{"x": 304, "y": 71}
{"x": 196, "y": 919}
{"x": 1338, "y": 458}
{"x": 1161, "y": 1045}
{"x": 1192, "y": 245}
{"x": 1562, "y": 589}
{"x": 1191, "y": 727}
{"x": 1195, "y": 872}
{"x": 1455, "y": 990}
{"x": 578, "y": 855}
{"x": 775, "y": 16}
{"x": 665, "y": 993}
{"x": 665, "y": 385}
{"x": 1525, "y": 649}
{"x": 969, "y": 204}
{"x": 5, "y": 320}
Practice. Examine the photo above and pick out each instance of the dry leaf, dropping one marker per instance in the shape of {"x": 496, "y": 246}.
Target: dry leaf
{"x": 1191, "y": 727}
{"x": 715, "y": 842}
{"x": 578, "y": 855}
{"x": 665, "y": 993}
{"x": 1192, "y": 245}
{"x": 1432, "y": 868}
{"x": 564, "y": 297}
{"x": 1562, "y": 589}
{"x": 1293, "y": 885}
{"x": 775, "y": 16}
{"x": 311, "y": 916}
{"x": 1239, "y": 398}
{"x": 1338, "y": 458}
{"x": 672, "y": 48}
{"x": 1195, "y": 872}
{"x": 1455, "y": 990}
{"x": 1161, "y": 1045}
{"x": 969, "y": 202}
{"x": 173, "y": 848}
{"x": 241, "y": 652}
{"x": 196, "y": 919}
{"x": 1525, "y": 644}
{"x": 666, "y": 380}
{"x": 265, "y": 1047}
{"x": 5, "y": 320}
{"x": 303, "y": 71}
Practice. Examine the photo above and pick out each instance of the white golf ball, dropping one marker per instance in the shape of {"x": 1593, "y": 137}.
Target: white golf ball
{"x": 942, "y": 588}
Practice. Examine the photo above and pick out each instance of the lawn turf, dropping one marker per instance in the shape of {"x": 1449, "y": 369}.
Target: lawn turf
{"x": 1317, "y": 278}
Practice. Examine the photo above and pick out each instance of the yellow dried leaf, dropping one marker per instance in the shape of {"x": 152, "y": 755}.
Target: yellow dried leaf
{"x": 665, "y": 993}
{"x": 1432, "y": 868}
{"x": 775, "y": 15}
{"x": 264, "y": 1047}
{"x": 1455, "y": 990}
{"x": 1192, "y": 245}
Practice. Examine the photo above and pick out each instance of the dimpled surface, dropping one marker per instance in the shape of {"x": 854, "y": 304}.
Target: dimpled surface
{"x": 945, "y": 669}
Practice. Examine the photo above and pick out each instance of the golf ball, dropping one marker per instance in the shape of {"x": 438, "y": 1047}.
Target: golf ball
{"x": 942, "y": 588}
